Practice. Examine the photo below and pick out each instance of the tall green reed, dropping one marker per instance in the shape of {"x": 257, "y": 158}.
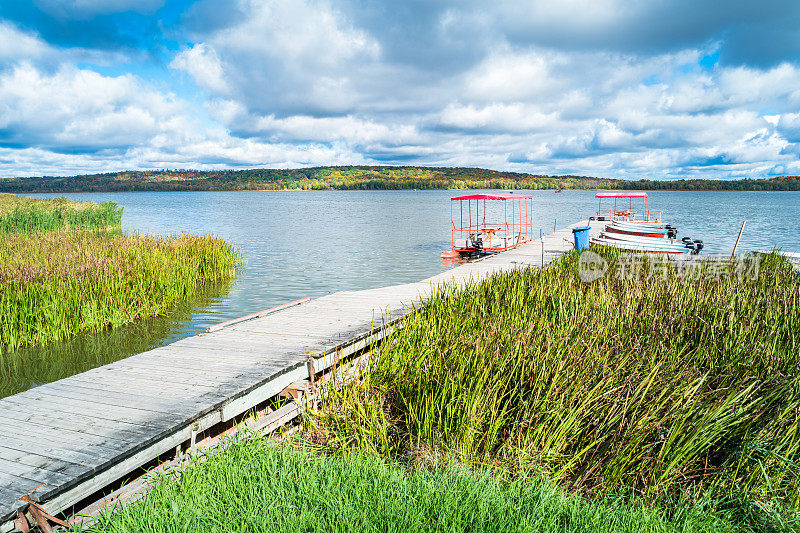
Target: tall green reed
{"x": 56, "y": 284}
{"x": 19, "y": 214}
{"x": 658, "y": 383}
{"x": 31, "y": 365}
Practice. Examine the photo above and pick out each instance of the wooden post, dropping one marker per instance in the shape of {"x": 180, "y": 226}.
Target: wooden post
{"x": 21, "y": 522}
{"x": 41, "y": 519}
{"x": 555, "y": 222}
{"x": 737, "y": 240}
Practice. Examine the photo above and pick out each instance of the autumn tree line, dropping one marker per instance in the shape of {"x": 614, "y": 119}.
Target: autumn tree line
{"x": 366, "y": 178}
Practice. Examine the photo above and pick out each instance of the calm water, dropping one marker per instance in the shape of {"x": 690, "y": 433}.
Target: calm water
{"x": 306, "y": 244}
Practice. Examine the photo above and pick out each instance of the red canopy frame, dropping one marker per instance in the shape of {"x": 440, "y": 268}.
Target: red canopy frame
{"x": 621, "y": 207}
{"x": 495, "y": 236}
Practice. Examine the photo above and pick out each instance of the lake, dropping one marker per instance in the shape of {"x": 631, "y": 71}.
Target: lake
{"x": 310, "y": 243}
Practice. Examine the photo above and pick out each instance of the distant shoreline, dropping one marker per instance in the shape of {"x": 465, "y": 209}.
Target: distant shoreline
{"x": 366, "y": 178}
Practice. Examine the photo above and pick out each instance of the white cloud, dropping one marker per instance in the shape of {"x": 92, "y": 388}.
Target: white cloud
{"x": 16, "y": 45}
{"x": 788, "y": 125}
{"x": 306, "y": 33}
{"x": 285, "y": 53}
{"x": 202, "y": 63}
{"x": 777, "y": 86}
{"x": 333, "y": 129}
{"x": 507, "y": 76}
{"x": 497, "y": 117}
{"x": 214, "y": 151}
{"x": 75, "y": 109}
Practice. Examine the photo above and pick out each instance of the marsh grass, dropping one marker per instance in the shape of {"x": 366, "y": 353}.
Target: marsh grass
{"x": 66, "y": 268}
{"x": 20, "y": 214}
{"x": 56, "y": 284}
{"x": 254, "y": 485}
{"x": 663, "y": 386}
{"x": 35, "y": 364}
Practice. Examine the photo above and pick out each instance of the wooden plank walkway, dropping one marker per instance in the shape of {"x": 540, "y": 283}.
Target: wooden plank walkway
{"x": 65, "y": 440}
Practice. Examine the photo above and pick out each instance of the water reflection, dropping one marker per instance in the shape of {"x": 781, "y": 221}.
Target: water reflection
{"x": 29, "y": 366}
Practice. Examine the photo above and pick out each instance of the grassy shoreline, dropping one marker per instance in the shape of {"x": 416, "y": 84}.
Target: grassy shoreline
{"x": 66, "y": 268}
{"x": 254, "y": 485}
{"x": 657, "y": 383}
{"x": 56, "y": 285}
{"x": 34, "y": 364}
{"x": 24, "y": 215}
{"x": 654, "y": 402}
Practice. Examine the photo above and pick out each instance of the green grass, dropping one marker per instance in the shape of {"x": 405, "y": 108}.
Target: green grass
{"x": 658, "y": 403}
{"x": 56, "y": 284}
{"x": 256, "y": 486}
{"x": 35, "y": 364}
{"x": 19, "y": 214}
{"x": 658, "y": 385}
{"x": 66, "y": 268}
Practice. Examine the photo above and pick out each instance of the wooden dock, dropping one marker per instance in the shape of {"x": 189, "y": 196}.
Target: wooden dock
{"x": 63, "y": 441}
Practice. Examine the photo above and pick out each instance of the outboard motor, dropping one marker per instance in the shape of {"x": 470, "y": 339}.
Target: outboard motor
{"x": 479, "y": 245}
{"x": 698, "y": 245}
{"x": 687, "y": 241}
{"x": 672, "y": 232}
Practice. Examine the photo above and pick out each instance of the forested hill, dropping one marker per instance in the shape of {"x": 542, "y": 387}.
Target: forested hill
{"x": 364, "y": 177}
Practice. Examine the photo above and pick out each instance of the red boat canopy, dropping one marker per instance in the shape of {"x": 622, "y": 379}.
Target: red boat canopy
{"x": 492, "y": 196}
{"x": 621, "y": 195}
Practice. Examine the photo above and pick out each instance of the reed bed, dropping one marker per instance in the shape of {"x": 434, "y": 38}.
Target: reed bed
{"x": 31, "y": 365}
{"x": 661, "y": 385}
{"x": 24, "y": 215}
{"x": 256, "y": 486}
{"x": 56, "y": 284}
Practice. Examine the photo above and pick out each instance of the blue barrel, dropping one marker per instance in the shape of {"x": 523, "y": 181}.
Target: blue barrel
{"x": 581, "y": 236}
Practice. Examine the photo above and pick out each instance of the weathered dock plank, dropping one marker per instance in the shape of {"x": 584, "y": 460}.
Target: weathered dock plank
{"x": 42, "y": 462}
{"x": 79, "y": 434}
{"x": 68, "y": 420}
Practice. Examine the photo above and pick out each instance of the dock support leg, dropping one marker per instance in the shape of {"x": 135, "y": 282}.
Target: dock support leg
{"x": 21, "y": 522}
{"x": 541, "y": 238}
{"x": 42, "y": 517}
{"x": 41, "y": 521}
{"x": 311, "y": 373}
{"x": 312, "y": 389}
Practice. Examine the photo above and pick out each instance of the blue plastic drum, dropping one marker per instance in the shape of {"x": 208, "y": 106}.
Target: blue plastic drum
{"x": 581, "y": 236}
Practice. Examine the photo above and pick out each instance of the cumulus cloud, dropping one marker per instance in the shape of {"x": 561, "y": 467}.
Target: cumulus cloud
{"x": 296, "y": 55}
{"x": 202, "y": 63}
{"x": 80, "y": 110}
{"x": 16, "y": 44}
{"x": 498, "y": 117}
{"x": 508, "y": 76}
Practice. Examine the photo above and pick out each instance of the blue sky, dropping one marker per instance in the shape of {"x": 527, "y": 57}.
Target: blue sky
{"x": 613, "y": 88}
